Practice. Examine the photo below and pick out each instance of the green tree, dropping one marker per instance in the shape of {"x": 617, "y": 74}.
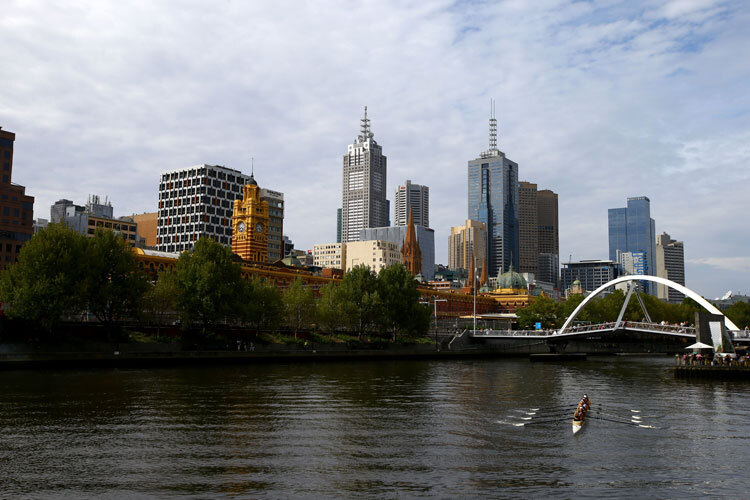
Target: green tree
{"x": 399, "y": 302}
{"x": 44, "y": 285}
{"x": 261, "y": 304}
{"x": 208, "y": 282}
{"x": 542, "y": 310}
{"x": 359, "y": 299}
{"x": 112, "y": 284}
{"x": 299, "y": 305}
{"x": 329, "y": 308}
{"x": 739, "y": 313}
{"x": 160, "y": 300}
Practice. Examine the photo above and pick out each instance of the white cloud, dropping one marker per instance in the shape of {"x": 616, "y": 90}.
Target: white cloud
{"x": 596, "y": 101}
{"x": 737, "y": 264}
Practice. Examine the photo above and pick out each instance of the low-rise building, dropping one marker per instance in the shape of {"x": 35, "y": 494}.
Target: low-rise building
{"x": 98, "y": 215}
{"x": 591, "y": 273}
{"x": 330, "y": 255}
{"x": 147, "y": 223}
{"x": 375, "y": 254}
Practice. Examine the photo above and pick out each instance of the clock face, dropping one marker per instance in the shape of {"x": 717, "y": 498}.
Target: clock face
{"x": 259, "y": 227}
{"x": 241, "y": 227}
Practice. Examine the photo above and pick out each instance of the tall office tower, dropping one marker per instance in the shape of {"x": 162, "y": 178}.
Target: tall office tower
{"x": 363, "y": 201}
{"x": 412, "y": 198}
{"x": 467, "y": 241}
{"x": 670, "y": 264}
{"x": 528, "y": 232}
{"x": 631, "y": 229}
{"x": 493, "y": 199}
{"x": 275, "y": 223}
{"x": 16, "y": 207}
{"x": 548, "y": 237}
{"x": 338, "y": 225}
{"x": 196, "y": 202}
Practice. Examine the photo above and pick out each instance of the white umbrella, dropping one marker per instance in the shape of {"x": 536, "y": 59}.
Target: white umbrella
{"x": 699, "y": 345}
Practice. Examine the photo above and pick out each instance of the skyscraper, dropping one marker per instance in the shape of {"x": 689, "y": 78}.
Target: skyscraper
{"x": 414, "y": 199}
{"x": 466, "y": 242}
{"x": 493, "y": 199}
{"x": 670, "y": 264}
{"x": 275, "y": 201}
{"x": 364, "y": 181}
{"x": 548, "y": 237}
{"x": 631, "y": 229}
{"x": 528, "y": 232}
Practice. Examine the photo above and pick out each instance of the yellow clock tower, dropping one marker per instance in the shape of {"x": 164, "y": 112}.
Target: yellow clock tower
{"x": 250, "y": 224}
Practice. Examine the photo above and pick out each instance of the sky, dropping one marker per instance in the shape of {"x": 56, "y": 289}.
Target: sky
{"x": 596, "y": 100}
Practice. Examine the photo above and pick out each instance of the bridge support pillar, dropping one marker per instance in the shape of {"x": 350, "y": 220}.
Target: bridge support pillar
{"x": 710, "y": 329}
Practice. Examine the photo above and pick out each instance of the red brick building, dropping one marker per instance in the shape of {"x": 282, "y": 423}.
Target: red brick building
{"x": 16, "y": 207}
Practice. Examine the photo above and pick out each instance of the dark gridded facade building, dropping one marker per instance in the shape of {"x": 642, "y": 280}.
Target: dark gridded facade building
{"x": 548, "y": 237}
{"x": 196, "y": 202}
{"x": 591, "y": 273}
{"x": 528, "y": 241}
{"x": 16, "y": 207}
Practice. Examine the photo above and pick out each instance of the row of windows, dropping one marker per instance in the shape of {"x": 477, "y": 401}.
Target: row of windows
{"x": 192, "y": 209}
{"x": 203, "y": 172}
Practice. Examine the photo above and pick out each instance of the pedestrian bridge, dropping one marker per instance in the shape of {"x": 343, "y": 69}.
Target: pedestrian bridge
{"x": 571, "y": 331}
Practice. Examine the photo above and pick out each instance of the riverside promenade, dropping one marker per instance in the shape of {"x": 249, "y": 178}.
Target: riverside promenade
{"x": 704, "y": 368}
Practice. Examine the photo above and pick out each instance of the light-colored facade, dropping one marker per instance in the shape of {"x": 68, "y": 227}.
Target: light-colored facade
{"x": 364, "y": 181}
{"x": 413, "y": 198}
{"x": 196, "y": 202}
{"x": 275, "y": 201}
{"x": 465, "y": 241}
{"x": 375, "y": 254}
{"x": 670, "y": 264}
{"x": 397, "y": 234}
{"x": 330, "y": 255}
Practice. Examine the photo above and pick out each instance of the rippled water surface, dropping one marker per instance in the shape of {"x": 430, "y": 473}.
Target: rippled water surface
{"x": 374, "y": 429}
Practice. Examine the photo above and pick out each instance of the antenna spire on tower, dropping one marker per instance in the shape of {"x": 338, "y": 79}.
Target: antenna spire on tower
{"x": 493, "y": 127}
{"x": 365, "y": 124}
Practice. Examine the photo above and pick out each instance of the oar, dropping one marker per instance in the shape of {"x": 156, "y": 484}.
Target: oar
{"x": 545, "y": 421}
{"x": 635, "y": 424}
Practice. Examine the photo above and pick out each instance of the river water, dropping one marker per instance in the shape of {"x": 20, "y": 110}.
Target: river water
{"x": 372, "y": 429}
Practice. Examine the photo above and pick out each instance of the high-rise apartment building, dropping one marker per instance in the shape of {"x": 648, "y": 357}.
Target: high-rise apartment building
{"x": 414, "y": 199}
{"x": 364, "y": 181}
{"x": 16, "y": 207}
{"x": 467, "y": 241}
{"x": 670, "y": 264}
{"x": 528, "y": 232}
{"x": 275, "y": 201}
{"x": 196, "y": 202}
{"x": 631, "y": 229}
{"x": 493, "y": 199}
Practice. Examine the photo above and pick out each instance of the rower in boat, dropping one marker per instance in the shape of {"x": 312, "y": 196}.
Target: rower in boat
{"x": 580, "y": 415}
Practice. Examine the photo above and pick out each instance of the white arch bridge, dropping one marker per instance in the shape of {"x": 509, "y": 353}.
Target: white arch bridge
{"x": 571, "y": 332}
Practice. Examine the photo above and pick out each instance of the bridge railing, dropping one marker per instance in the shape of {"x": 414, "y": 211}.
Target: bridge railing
{"x": 643, "y": 325}
{"x": 513, "y": 333}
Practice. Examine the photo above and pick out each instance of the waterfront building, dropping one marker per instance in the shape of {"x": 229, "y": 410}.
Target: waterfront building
{"x": 16, "y": 207}
{"x": 591, "y": 273}
{"x": 375, "y": 254}
{"x": 412, "y": 199}
{"x": 147, "y": 223}
{"x": 196, "y": 202}
{"x": 511, "y": 291}
{"x": 275, "y": 201}
{"x": 670, "y": 264}
{"x": 250, "y": 221}
{"x": 528, "y": 230}
{"x": 631, "y": 229}
{"x": 364, "y": 203}
{"x": 329, "y": 255}
{"x": 397, "y": 234}
{"x": 97, "y": 214}
{"x": 467, "y": 241}
{"x": 493, "y": 199}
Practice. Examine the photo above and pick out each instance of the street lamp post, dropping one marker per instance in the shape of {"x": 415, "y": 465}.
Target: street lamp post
{"x": 434, "y": 302}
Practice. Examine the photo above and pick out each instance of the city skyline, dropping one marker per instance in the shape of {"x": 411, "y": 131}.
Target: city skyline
{"x": 597, "y": 104}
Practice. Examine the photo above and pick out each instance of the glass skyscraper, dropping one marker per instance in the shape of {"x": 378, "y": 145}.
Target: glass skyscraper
{"x": 493, "y": 199}
{"x": 631, "y": 229}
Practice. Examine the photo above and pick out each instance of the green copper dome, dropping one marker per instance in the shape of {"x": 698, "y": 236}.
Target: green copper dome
{"x": 511, "y": 279}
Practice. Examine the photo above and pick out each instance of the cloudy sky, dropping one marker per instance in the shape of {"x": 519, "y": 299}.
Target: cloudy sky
{"x": 597, "y": 101}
